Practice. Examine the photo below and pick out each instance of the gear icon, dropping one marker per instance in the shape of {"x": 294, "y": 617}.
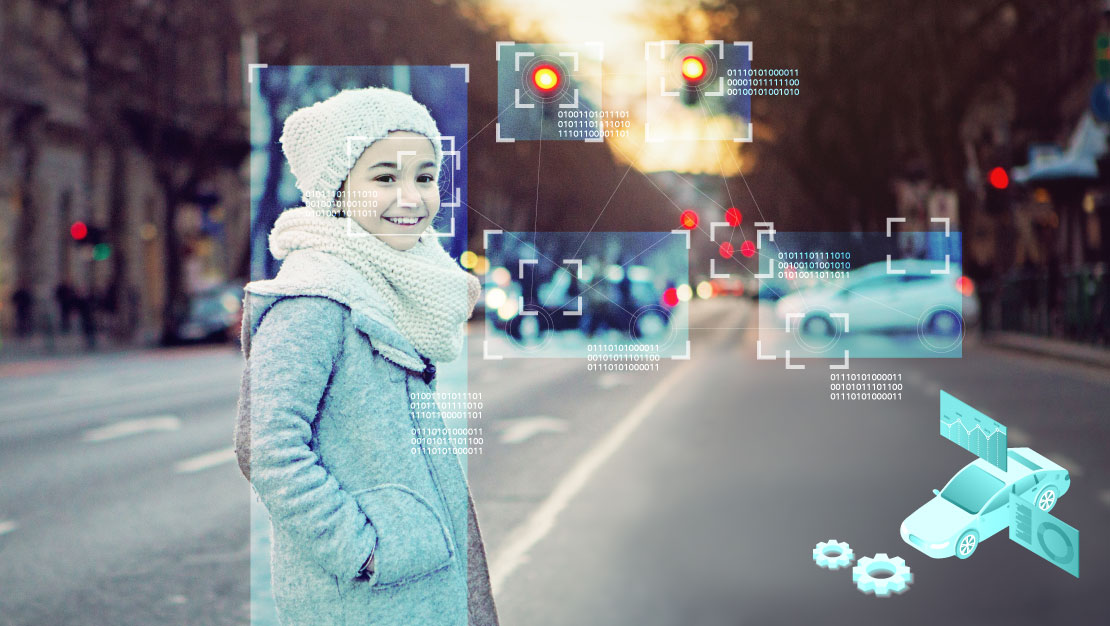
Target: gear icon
{"x": 882, "y": 575}
{"x": 833, "y": 554}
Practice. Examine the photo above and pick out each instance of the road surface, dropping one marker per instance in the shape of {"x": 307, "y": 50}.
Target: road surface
{"x": 692, "y": 495}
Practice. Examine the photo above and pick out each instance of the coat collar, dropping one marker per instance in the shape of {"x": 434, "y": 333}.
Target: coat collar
{"x": 315, "y": 273}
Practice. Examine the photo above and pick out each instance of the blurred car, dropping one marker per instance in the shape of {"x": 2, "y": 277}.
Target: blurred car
{"x": 732, "y": 286}
{"x": 214, "y": 314}
{"x": 630, "y": 302}
{"x": 909, "y": 296}
{"x": 975, "y": 504}
{"x": 772, "y": 289}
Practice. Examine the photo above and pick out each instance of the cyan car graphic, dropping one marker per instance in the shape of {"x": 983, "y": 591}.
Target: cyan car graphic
{"x": 975, "y": 504}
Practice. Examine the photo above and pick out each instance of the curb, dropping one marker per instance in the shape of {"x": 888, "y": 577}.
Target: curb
{"x": 1045, "y": 346}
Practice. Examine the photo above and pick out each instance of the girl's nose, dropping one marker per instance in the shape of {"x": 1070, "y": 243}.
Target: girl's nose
{"x": 408, "y": 195}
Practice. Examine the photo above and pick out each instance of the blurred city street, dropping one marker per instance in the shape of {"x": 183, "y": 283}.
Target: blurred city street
{"x": 746, "y": 269}
{"x": 692, "y": 495}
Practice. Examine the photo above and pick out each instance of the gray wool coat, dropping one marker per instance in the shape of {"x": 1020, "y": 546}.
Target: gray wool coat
{"x": 325, "y": 435}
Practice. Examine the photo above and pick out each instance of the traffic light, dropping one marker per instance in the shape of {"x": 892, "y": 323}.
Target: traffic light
{"x": 78, "y": 230}
{"x": 94, "y": 236}
{"x": 693, "y": 68}
{"x": 695, "y": 72}
{"x": 999, "y": 179}
{"x": 1102, "y": 56}
{"x": 997, "y": 197}
{"x": 546, "y": 78}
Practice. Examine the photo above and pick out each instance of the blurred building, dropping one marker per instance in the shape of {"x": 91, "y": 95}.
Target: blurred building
{"x": 61, "y": 166}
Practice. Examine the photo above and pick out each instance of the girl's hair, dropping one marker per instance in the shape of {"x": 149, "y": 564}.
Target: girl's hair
{"x": 338, "y": 211}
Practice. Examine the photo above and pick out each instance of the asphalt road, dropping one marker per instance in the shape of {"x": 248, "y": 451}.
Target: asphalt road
{"x": 692, "y": 495}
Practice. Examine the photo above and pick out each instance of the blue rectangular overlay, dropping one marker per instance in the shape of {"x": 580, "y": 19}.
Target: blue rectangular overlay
{"x": 600, "y": 296}
{"x": 973, "y": 431}
{"x": 1044, "y": 535}
{"x": 278, "y": 90}
{"x": 863, "y": 295}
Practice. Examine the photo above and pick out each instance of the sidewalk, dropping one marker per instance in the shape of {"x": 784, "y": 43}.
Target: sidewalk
{"x": 15, "y": 349}
{"x": 1046, "y": 346}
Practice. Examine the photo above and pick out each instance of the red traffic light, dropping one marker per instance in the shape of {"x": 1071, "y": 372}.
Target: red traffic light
{"x": 999, "y": 178}
{"x": 688, "y": 219}
{"x": 78, "y": 231}
{"x": 545, "y": 78}
{"x": 733, "y": 216}
{"x": 693, "y": 68}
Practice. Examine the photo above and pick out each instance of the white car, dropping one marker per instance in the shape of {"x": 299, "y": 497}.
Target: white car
{"x": 910, "y": 294}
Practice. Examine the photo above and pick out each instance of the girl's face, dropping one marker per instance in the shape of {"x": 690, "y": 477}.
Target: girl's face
{"x": 392, "y": 191}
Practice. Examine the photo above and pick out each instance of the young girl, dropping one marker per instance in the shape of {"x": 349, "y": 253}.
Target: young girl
{"x": 368, "y": 527}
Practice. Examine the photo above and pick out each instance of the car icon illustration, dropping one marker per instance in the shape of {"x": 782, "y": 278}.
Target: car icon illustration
{"x": 975, "y": 504}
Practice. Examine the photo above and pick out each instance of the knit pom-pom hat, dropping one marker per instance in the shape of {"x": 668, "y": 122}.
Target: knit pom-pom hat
{"x": 323, "y": 141}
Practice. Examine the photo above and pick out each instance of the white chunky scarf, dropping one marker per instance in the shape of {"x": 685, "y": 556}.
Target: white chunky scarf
{"x": 430, "y": 296}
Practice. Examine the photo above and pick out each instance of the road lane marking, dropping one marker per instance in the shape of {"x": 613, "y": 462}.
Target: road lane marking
{"x": 133, "y": 427}
{"x": 7, "y": 526}
{"x": 608, "y": 381}
{"x": 525, "y": 536}
{"x": 524, "y": 428}
{"x": 205, "y": 461}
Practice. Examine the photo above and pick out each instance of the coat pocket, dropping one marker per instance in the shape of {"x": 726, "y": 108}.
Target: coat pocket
{"x": 412, "y": 539}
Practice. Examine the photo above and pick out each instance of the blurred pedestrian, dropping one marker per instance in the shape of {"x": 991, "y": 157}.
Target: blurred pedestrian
{"x": 23, "y": 301}
{"x": 369, "y": 525}
{"x": 65, "y": 296}
{"x": 596, "y": 304}
{"x": 86, "y": 306}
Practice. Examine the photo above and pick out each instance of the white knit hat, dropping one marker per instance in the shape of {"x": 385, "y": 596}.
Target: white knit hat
{"x": 315, "y": 139}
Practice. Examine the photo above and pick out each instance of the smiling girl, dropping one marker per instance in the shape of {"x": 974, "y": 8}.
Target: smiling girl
{"x": 368, "y": 526}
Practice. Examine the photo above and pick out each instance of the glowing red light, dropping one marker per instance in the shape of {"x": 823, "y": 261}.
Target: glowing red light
{"x": 78, "y": 231}
{"x": 733, "y": 216}
{"x": 747, "y": 249}
{"x": 999, "y": 178}
{"x": 693, "y": 68}
{"x": 670, "y": 297}
{"x": 689, "y": 219}
{"x": 965, "y": 286}
{"x": 726, "y": 250}
{"x": 545, "y": 78}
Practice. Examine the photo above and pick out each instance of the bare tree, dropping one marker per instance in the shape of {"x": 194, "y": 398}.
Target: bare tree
{"x": 887, "y": 88}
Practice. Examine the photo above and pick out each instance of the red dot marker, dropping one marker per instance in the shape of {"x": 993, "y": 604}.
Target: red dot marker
{"x": 689, "y": 220}
{"x": 733, "y": 216}
{"x": 747, "y": 249}
{"x": 726, "y": 250}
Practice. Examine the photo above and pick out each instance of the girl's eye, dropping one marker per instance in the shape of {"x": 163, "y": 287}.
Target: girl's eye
{"x": 386, "y": 178}
{"x": 425, "y": 178}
